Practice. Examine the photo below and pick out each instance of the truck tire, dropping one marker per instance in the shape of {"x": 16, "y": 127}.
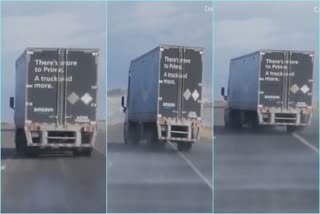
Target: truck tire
{"x": 184, "y": 146}
{"x": 130, "y": 133}
{"x": 87, "y": 152}
{"x": 21, "y": 145}
{"x": 125, "y": 133}
{"x": 20, "y": 142}
{"x": 253, "y": 121}
{"x": 292, "y": 129}
{"x": 151, "y": 133}
{"x": 226, "y": 119}
{"x": 235, "y": 119}
{"x": 32, "y": 152}
{"x": 84, "y": 152}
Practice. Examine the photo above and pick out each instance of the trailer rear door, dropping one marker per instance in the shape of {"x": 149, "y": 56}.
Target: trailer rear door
{"x": 271, "y": 79}
{"x": 81, "y": 86}
{"x": 42, "y": 74}
{"x": 62, "y": 86}
{"x": 301, "y": 79}
{"x": 180, "y": 83}
{"x": 286, "y": 79}
{"x": 192, "y": 84}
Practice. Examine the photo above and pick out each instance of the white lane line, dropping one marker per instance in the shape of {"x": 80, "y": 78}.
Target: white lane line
{"x": 3, "y": 167}
{"x": 305, "y": 142}
{"x": 195, "y": 169}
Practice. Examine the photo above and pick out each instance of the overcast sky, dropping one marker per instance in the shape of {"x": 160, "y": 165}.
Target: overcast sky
{"x": 137, "y": 27}
{"x": 50, "y": 24}
{"x": 241, "y": 28}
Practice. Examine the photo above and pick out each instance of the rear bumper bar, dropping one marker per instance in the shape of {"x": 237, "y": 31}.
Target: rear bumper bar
{"x": 297, "y": 118}
{"x": 65, "y": 138}
{"x": 182, "y": 133}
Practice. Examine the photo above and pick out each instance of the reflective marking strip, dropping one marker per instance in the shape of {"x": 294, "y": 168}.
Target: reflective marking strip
{"x": 305, "y": 142}
{"x": 178, "y": 139}
{"x": 195, "y": 169}
{"x": 58, "y": 145}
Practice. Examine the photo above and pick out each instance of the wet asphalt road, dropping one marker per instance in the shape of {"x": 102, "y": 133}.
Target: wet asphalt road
{"x": 144, "y": 179}
{"x": 265, "y": 171}
{"x": 53, "y": 183}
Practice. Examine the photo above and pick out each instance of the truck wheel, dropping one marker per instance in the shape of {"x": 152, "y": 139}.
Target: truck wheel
{"x": 20, "y": 142}
{"x": 184, "y": 146}
{"x": 87, "y": 152}
{"x": 125, "y": 133}
{"x": 84, "y": 152}
{"x": 227, "y": 119}
{"x": 32, "y": 152}
{"x": 292, "y": 129}
{"x": 151, "y": 135}
{"x": 254, "y": 121}
{"x": 235, "y": 119}
{"x": 21, "y": 145}
{"x": 130, "y": 133}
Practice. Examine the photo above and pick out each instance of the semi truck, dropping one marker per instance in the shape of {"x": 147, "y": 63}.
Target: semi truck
{"x": 164, "y": 97}
{"x": 270, "y": 88}
{"x": 55, "y": 100}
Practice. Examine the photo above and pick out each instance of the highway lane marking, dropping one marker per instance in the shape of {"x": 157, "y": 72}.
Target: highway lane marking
{"x": 195, "y": 169}
{"x": 305, "y": 142}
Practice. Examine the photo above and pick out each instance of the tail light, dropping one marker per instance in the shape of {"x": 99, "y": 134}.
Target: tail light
{"x": 88, "y": 129}
{"x": 306, "y": 111}
{"x": 35, "y": 134}
{"x": 162, "y": 120}
{"x": 33, "y": 127}
{"x": 264, "y": 110}
{"x": 197, "y": 123}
